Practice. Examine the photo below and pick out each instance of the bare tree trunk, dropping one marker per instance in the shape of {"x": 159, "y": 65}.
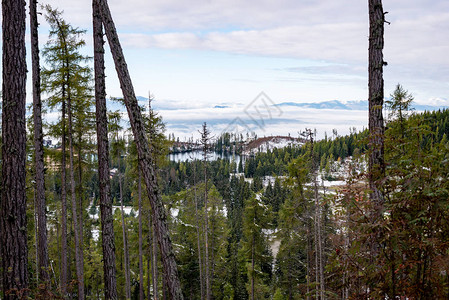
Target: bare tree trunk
{"x": 141, "y": 293}
{"x": 78, "y": 251}
{"x": 107, "y": 225}
{"x": 38, "y": 149}
{"x": 13, "y": 222}
{"x": 145, "y": 156}
{"x": 125, "y": 237}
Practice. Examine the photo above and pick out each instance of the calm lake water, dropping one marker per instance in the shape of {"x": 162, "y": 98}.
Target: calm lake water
{"x": 185, "y": 156}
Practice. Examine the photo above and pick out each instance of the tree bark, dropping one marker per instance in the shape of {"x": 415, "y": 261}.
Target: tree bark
{"x": 38, "y": 149}
{"x": 13, "y": 222}
{"x": 376, "y": 99}
{"x": 107, "y": 219}
{"x": 145, "y": 157}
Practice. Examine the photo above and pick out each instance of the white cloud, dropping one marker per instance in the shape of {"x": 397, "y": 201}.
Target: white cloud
{"x": 336, "y": 32}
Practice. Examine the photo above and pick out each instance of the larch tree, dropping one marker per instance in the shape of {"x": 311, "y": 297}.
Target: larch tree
{"x": 107, "y": 226}
{"x": 38, "y": 149}
{"x": 144, "y": 154}
{"x": 66, "y": 80}
{"x": 13, "y": 222}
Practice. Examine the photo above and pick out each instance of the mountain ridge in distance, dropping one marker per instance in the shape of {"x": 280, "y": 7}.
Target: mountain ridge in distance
{"x": 350, "y": 105}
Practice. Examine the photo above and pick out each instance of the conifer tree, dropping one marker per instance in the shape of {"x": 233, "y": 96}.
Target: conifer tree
{"x": 255, "y": 247}
{"x": 67, "y": 82}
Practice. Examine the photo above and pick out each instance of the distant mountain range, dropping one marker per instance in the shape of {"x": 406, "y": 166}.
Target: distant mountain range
{"x": 331, "y": 104}
{"x": 350, "y": 105}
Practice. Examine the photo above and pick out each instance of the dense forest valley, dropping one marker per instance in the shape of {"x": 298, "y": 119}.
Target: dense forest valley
{"x": 282, "y": 224}
{"x": 102, "y": 204}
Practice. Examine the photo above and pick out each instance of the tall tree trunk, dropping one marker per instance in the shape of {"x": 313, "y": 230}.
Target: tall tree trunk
{"x": 107, "y": 218}
{"x": 141, "y": 293}
{"x": 38, "y": 149}
{"x": 145, "y": 156}
{"x": 376, "y": 99}
{"x": 13, "y": 222}
{"x": 78, "y": 251}
{"x": 125, "y": 236}
{"x": 376, "y": 164}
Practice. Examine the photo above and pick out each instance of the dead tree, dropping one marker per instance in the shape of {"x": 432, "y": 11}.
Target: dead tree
{"x": 144, "y": 155}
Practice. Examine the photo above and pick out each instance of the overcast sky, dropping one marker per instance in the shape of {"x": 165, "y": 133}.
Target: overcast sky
{"x": 205, "y": 52}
